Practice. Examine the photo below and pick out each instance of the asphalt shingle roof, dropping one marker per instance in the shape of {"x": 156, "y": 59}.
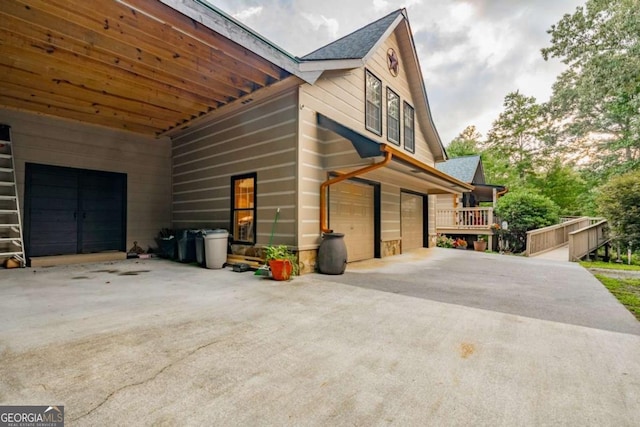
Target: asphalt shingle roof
{"x": 461, "y": 168}
{"x": 355, "y": 45}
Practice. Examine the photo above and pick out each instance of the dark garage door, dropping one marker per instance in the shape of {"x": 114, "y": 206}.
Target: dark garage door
{"x": 69, "y": 211}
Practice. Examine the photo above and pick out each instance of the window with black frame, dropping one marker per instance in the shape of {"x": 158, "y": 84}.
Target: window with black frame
{"x": 373, "y": 103}
{"x": 393, "y": 117}
{"x": 409, "y": 128}
{"x": 243, "y": 208}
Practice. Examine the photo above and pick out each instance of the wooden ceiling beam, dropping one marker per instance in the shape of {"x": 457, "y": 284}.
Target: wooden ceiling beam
{"x": 59, "y": 64}
{"x": 205, "y": 35}
{"x": 99, "y": 82}
{"x": 21, "y": 104}
{"x": 63, "y": 35}
{"x": 73, "y": 104}
{"x": 164, "y": 41}
{"x": 83, "y": 93}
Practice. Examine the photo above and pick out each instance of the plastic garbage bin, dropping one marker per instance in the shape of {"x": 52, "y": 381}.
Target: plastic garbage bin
{"x": 215, "y": 248}
{"x": 200, "y": 258}
{"x": 187, "y": 246}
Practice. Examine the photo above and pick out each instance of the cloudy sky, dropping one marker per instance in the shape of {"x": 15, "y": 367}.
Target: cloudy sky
{"x": 472, "y": 52}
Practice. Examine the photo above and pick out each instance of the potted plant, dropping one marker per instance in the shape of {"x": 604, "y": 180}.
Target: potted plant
{"x": 480, "y": 245}
{"x": 460, "y": 243}
{"x": 282, "y": 263}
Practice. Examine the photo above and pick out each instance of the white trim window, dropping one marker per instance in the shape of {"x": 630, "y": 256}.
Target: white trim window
{"x": 409, "y": 128}
{"x": 373, "y": 103}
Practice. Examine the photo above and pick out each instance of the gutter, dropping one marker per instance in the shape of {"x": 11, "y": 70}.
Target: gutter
{"x": 389, "y": 153}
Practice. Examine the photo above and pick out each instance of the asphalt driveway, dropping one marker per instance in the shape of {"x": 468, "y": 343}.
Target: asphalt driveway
{"x": 408, "y": 341}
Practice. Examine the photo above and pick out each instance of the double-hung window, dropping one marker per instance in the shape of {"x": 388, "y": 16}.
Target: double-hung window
{"x": 409, "y": 128}
{"x": 243, "y": 207}
{"x": 373, "y": 103}
{"x": 393, "y": 117}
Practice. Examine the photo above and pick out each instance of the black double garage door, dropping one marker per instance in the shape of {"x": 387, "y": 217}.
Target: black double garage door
{"x": 71, "y": 211}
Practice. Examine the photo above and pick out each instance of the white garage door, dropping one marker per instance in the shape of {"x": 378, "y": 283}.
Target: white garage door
{"x": 412, "y": 220}
{"x": 351, "y": 212}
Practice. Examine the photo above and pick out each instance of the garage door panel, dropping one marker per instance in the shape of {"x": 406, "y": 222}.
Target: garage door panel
{"x": 351, "y": 211}
{"x": 412, "y": 221}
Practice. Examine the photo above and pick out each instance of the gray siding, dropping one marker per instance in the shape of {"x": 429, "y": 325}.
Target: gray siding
{"x": 260, "y": 138}
{"x": 145, "y": 160}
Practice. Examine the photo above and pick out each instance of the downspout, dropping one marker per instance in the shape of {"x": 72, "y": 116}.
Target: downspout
{"x": 501, "y": 193}
{"x": 324, "y": 228}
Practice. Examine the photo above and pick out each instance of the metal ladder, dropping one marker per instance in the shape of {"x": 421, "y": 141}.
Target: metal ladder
{"x": 11, "y": 240}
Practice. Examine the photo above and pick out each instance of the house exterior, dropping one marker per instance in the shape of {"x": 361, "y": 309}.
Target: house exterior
{"x": 463, "y": 215}
{"x": 130, "y": 118}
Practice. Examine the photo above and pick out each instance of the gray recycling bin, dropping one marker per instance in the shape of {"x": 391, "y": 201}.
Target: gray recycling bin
{"x": 200, "y": 258}
{"x": 187, "y": 246}
{"x": 215, "y": 248}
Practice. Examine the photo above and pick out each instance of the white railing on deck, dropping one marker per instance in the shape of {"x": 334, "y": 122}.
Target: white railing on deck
{"x": 464, "y": 218}
{"x": 554, "y": 236}
{"x": 588, "y": 239}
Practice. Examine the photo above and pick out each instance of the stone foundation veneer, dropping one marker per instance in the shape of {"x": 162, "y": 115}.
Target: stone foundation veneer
{"x": 391, "y": 247}
{"x": 307, "y": 261}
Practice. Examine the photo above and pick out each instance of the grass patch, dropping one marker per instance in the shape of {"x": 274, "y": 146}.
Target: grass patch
{"x": 609, "y": 265}
{"x": 627, "y": 291}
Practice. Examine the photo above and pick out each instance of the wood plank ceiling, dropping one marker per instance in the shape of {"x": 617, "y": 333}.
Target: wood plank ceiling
{"x": 136, "y": 65}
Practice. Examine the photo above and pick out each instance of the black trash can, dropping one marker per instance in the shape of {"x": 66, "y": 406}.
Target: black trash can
{"x": 168, "y": 247}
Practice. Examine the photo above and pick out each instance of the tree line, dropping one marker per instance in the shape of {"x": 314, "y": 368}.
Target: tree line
{"x": 581, "y": 149}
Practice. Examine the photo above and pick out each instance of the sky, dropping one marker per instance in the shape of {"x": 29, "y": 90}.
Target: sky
{"x": 472, "y": 52}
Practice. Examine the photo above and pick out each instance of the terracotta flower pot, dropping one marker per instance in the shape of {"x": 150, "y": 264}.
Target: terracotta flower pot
{"x": 480, "y": 246}
{"x": 281, "y": 269}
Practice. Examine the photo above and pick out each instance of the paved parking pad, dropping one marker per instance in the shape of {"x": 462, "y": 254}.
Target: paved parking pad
{"x": 155, "y": 342}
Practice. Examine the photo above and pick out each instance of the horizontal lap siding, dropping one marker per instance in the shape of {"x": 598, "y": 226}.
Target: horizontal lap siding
{"x": 400, "y": 84}
{"x": 145, "y": 160}
{"x": 262, "y": 139}
{"x": 390, "y": 214}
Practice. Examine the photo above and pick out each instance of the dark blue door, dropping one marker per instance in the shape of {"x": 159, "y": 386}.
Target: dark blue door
{"x": 69, "y": 211}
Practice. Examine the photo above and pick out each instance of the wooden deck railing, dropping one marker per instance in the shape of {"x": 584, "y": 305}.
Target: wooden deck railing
{"x": 464, "y": 218}
{"x": 587, "y": 239}
{"x": 554, "y": 236}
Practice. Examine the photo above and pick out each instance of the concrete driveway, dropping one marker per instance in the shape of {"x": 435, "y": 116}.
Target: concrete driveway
{"x": 439, "y": 337}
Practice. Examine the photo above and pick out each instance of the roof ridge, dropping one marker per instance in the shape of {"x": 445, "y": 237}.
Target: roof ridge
{"x": 327, "y": 47}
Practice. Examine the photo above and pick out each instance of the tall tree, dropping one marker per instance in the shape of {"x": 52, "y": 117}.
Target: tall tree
{"x": 465, "y": 144}
{"x": 516, "y": 135}
{"x": 598, "y": 96}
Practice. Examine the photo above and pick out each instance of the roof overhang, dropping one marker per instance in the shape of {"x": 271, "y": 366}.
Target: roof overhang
{"x": 485, "y": 192}
{"x": 137, "y": 65}
{"x": 439, "y": 182}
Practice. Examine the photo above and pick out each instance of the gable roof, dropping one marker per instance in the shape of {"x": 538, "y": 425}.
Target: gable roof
{"x": 355, "y": 49}
{"x": 357, "y": 44}
{"x": 462, "y": 168}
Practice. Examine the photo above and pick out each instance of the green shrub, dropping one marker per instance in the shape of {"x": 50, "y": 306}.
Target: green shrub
{"x": 524, "y": 211}
{"x": 619, "y": 202}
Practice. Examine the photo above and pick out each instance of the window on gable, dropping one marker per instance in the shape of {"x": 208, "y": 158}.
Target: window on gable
{"x": 409, "y": 128}
{"x": 243, "y": 207}
{"x": 373, "y": 107}
{"x": 393, "y": 117}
